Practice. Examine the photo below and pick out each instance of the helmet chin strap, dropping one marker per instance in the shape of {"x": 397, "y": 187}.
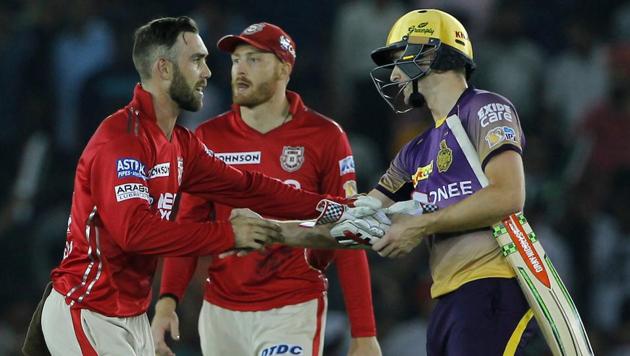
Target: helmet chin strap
{"x": 416, "y": 99}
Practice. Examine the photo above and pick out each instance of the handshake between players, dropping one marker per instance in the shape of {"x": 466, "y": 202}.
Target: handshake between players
{"x": 361, "y": 224}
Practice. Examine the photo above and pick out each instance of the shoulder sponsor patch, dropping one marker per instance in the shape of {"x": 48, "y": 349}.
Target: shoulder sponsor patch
{"x": 131, "y": 191}
{"x": 500, "y": 134}
{"x": 160, "y": 170}
{"x": 130, "y": 167}
{"x": 346, "y": 165}
{"x": 422, "y": 173}
{"x": 253, "y": 157}
{"x": 494, "y": 112}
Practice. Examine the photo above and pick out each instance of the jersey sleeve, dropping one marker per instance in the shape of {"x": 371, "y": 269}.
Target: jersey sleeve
{"x": 122, "y": 200}
{"x": 213, "y": 180}
{"x": 396, "y": 183}
{"x": 493, "y": 126}
{"x": 354, "y": 277}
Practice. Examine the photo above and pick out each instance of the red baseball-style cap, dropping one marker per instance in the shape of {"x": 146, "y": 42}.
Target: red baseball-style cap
{"x": 264, "y": 36}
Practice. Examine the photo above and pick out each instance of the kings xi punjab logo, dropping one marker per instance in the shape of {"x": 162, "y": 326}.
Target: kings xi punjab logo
{"x": 292, "y": 158}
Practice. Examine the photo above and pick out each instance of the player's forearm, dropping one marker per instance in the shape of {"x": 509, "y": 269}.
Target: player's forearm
{"x": 484, "y": 208}
{"x": 292, "y": 234}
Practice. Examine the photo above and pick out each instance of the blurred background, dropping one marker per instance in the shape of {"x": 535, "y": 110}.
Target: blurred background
{"x": 565, "y": 64}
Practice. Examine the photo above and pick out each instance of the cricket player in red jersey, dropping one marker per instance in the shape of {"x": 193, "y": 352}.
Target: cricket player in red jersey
{"x": 271, "y": 302}
{"x": 126, "y": 190}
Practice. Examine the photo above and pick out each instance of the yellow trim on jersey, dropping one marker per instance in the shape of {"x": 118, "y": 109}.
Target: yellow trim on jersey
{"x": 515, "y": 339}
{"x": 439, "y": 122}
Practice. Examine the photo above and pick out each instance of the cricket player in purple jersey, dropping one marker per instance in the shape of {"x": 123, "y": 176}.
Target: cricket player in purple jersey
{"x": 480, "y": 308}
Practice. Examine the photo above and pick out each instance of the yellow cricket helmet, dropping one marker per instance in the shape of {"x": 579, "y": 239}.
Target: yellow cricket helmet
{"x": 428, "y": 39}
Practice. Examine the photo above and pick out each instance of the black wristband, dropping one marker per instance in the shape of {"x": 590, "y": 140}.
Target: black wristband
{"x": 169, "y": 295}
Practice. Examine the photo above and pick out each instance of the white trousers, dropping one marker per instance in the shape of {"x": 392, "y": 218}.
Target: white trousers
{"x": 82, "y": 332}
{"x": 291, "y": 330}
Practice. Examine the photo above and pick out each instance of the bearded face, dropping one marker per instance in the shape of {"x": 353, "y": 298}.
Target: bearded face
{"x": 188, "y": 97}
{"x": 255, "y": 88}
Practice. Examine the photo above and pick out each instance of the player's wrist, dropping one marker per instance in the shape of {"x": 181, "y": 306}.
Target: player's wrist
{"x": 166, "y": 303}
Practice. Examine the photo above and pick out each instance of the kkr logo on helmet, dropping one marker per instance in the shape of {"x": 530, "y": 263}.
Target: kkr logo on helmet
{"x": 292, "y": 158}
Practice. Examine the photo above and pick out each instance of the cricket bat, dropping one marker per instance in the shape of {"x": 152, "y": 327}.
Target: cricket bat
{"x": 553, "y": 308}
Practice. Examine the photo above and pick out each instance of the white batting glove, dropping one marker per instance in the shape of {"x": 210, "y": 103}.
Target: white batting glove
{"x": 333, "y": 212}
{"x": 410, "y": 207}
{"x": 361, "y": 231}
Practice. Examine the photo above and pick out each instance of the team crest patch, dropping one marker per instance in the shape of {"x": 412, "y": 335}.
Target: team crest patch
{"x": 500, "y": 134}
{"x": 422, "y": 173}
{"x": 444, "y": 157}
{"x": 292, "y": 158}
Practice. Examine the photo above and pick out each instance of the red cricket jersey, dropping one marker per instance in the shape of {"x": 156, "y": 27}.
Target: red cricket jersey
{"x": 309, "y": 152}
{"x": 126, "y": 189}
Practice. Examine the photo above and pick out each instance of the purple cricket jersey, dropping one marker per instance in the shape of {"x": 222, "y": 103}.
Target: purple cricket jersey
{"x": 432, "y": 168}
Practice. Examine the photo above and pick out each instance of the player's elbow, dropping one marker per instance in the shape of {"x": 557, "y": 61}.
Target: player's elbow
{"x": 513, "y": 202}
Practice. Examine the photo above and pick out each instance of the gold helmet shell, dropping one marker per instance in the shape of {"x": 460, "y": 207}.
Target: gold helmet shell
{"x": 425, "y": 26}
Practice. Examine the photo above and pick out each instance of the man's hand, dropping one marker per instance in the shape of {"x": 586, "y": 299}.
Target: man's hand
{"x": 252, "y": 233}
{"x": 332, "y": 212}
{"x": 364, "y": 346}
{"x": 165, "y": 319}
{"x": 361, "y": 225}
{"x": 361, "y": 231}
{"x": 405, "y": 233}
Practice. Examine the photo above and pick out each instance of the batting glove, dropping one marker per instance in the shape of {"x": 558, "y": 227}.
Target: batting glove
{"x": 361, "y": 231}
{"x": 410, "y": 207}
{"x": 333, "y": 212}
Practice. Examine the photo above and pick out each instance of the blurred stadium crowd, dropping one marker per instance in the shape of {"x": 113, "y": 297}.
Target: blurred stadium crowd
{"x": 66, "y": 64}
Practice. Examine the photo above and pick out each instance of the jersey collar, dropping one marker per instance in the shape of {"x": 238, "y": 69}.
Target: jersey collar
{"x": 143, "y": 102}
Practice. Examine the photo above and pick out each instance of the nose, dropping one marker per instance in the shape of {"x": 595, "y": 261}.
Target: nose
{"x": 396, "y": 74}
{"x": 206, "y": 73}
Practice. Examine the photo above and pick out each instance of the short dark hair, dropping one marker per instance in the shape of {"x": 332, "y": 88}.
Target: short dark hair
{"x": 156, "y": 38}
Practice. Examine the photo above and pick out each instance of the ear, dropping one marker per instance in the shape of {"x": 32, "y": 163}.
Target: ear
{"x": 164, "y": 69}
{"x": 285, "y": 70}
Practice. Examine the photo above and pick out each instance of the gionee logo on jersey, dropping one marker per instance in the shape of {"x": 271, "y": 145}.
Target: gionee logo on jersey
{"x": 165, "y": 205}
{"x": 160, "y": 170}
{"x": 450, "y": 191}
{"x": 240, "y": 157}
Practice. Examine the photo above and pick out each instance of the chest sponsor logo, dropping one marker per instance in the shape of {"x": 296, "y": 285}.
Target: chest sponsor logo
{"x": 129, "y": 167}
{"x": 346, "y": 165}
{"x": 131, "y": 191}
{"x": 422, "y": 173}
{"x": 253, "y": 157}
{"x": 350, "y": 188}
{"x": 165, "y": 205}
{"x": 160, "y": 170}
{"x": 500, "y": 134}
{"x": 494, "y": 112}
{"x": 451, "y": 190}
{"x": 292, "y": 158}
{"x": 283, "y": 349}
{"x": 444, "y": 157}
